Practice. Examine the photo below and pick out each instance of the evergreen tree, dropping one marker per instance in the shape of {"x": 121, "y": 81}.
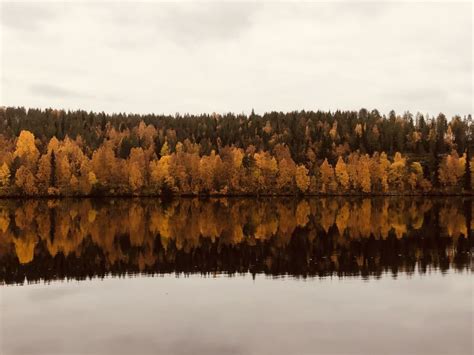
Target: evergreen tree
{"x": 52, "y": 183}
{"x": 467, "y": 173}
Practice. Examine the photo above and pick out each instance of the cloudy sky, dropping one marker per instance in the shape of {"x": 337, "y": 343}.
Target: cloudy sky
{"x": 220, "y": 57}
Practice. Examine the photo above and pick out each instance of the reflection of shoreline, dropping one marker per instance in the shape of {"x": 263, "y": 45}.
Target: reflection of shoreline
{"x": 48, "y": 239}
{"x": 215, "y": 195}
{"x": 255, "y": 276}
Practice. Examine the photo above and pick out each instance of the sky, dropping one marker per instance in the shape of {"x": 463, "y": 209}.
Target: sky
{"x": 195, "y": 57}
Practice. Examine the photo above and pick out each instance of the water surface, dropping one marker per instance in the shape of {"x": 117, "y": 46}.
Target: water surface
{"x": 236, "y": 276}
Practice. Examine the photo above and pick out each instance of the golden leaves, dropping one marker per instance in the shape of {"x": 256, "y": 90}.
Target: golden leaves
{"x": 342, "y": 175}
{"x": 328, "y": 182}
{"x": 302, "y": 178}
{"x": 451, "y": 169}
{"x": 68, "y": 168}
{"x": 4, "y": 175}
{"x": 26, "y": 147}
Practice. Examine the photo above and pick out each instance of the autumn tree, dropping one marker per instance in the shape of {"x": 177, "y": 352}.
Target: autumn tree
{"x": 4, "y": 175}
{"x": 415, "y": 176}
{"x": 451, "y": 170}
{"x": 43, "y": 174}
{"x": 64, "y": 172}
{"x": 237, "y": 168}
{"x": 342, "y": 175}
{"x": 328, "y": 181}
{"x": 26, "y": 181}
{"x": 352, "y": 168}
{"x": 165, "y": 150}
{"x": 364, "y": 176}
{"x": 137, "y": 166}
{"x": 358, "y": 169}
{"x": 286, "y": 175}
{"x": 87, "y": 178}
{"x": 160, "y": 174}
{"x": 208, "y": 168}
{"x": 397, "y": 172}
{"x": 302, "y": 178}
{"x": 266, "y": 170}
{"x": 380, "y": 171}
{"x": 106, "y": 167}
{"x": 26, "y": 147}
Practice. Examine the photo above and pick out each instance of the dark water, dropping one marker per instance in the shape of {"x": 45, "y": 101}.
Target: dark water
{"x": 236, "y": 276}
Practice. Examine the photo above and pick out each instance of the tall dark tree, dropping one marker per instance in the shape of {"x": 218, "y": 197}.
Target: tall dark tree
{"x": 467, "y": 174}
{"x": 435, "y": 163}
{"x": 52, "y": 182}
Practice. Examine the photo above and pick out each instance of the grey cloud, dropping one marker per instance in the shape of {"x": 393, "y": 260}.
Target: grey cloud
{"x": 50, "y": 90}
{"x": 368, "y": 9}
{"x": 26, "y": 16}
{"x": 216, "y": 22}
{"x": 54, "y": 91}
{"x": 4, "y": 80}
{"x": 434, "y": 99}
{"x": 184, "y": 24}
{"x": 336, "y": 12}
{"x": 417, "y": 95}
{"x": 188, "y": 57}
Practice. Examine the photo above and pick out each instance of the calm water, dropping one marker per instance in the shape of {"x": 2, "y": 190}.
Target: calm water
{"x": 236, "y": 276}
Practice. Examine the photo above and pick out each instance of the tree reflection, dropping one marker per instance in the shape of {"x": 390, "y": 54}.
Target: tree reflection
{"x": 51, "y": 239}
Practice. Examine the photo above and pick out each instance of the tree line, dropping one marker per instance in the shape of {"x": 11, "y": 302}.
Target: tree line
{"x": 75, "y": 153}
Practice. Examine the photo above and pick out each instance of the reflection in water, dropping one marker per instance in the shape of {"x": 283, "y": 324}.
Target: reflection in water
{"x": 55, "y": 239}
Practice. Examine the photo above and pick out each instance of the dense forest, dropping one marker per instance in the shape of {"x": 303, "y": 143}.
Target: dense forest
{"x": 78, "y": 153}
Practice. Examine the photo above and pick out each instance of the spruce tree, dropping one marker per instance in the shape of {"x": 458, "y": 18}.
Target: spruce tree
{"x": 52, "y": 182}
{"x": 467, "y": 175}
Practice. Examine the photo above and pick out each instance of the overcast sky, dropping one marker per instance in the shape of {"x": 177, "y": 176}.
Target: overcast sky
{"x": 220, "y": 57}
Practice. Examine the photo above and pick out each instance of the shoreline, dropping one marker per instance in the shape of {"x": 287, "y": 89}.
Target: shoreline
{"x": 232, "y": 196}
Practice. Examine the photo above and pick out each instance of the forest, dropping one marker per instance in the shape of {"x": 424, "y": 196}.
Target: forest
{"x": 77, "y": 153}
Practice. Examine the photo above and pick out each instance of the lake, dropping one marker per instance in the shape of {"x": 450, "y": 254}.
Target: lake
{"x": 237, "y": 276}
